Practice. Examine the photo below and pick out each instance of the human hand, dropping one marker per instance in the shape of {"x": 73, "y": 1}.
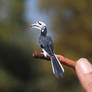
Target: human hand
{"x": 83, "y": 70}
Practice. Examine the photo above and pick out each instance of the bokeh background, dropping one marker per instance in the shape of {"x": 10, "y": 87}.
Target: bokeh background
{"x": 70, "y": 25}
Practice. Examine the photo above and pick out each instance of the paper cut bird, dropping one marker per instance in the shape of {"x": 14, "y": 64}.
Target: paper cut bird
{"x": 46, "y": 44}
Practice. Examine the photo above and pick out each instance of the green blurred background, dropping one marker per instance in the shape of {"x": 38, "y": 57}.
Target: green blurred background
{"x": 70, "y": 25}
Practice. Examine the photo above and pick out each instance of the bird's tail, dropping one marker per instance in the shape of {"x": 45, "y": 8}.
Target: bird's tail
{"x": 58, "y": 69}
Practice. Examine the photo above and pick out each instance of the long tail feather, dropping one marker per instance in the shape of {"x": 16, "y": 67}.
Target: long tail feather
{"x": 58, "y": 69}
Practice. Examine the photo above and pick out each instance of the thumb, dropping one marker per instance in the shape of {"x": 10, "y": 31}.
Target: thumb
{"x": 84, "y": 72}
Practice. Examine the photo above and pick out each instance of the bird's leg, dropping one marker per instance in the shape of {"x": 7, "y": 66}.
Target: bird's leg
{"x": 45, "y": 53}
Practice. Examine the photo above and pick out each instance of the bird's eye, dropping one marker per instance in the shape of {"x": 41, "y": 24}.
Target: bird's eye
{"x": 39, "y": 22}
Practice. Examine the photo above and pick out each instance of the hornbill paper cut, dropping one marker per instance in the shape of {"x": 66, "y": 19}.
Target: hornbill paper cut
{"x": 46, "y": 44}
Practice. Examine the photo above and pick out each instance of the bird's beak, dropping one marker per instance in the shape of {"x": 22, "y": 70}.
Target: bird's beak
{"x": 36, "y": 25}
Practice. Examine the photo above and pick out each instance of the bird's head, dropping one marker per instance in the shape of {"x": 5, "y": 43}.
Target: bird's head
{"x": 39, "y": 25}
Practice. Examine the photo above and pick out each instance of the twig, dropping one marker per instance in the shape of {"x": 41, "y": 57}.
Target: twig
{"x": 62, "y": 59}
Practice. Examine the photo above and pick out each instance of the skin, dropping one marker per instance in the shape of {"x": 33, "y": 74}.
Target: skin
{"x": 83, "y": 70}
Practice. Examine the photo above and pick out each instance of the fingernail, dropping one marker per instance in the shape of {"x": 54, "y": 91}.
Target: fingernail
{"x": 84, "y": 65}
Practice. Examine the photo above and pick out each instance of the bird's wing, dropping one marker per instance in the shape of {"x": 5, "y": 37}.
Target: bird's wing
{"x": 50, "y": 43}
{"x": 47, "y": 45}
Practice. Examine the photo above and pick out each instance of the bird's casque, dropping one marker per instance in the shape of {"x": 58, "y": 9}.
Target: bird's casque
{"x": 40, "y": 26}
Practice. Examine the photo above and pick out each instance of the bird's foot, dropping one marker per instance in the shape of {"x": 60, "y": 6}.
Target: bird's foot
{"x": 44, "y": 53}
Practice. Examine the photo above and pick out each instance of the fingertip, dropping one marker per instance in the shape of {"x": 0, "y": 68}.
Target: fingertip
{"x": 81, "y": 60}
{"x": 84, "y": 72}
{"x": 84, "y": 66}
{"x": 78, "y": 63}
